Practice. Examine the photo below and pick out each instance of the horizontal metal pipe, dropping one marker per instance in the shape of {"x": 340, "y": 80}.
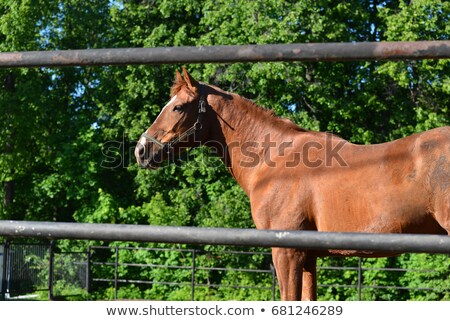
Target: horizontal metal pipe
{"x": 227, "y": 54}
{"x": 228, "y": 236}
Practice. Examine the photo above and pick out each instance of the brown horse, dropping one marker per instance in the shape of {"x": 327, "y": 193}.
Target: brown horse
{"x": 298, "y": 179}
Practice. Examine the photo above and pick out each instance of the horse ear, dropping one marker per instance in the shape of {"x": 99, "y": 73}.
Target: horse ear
{"x": 190, "y": 81}
{"x": 178, "y": 77}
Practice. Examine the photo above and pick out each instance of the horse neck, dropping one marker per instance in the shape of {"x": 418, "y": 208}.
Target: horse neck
{"x": 244, "y": 132}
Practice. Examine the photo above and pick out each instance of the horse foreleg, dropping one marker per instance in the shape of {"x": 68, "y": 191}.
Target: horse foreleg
{"x": 289, "y": 265}
{"x": 309, "y": 288}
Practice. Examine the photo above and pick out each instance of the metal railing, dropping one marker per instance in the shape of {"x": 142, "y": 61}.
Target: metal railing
{"x": 192, "y": 266}
{"x": 117, "y": 267}
{"x": 396, "y": 243}
{"x": 270, "y": 287}
{"x": 350, "y": 51}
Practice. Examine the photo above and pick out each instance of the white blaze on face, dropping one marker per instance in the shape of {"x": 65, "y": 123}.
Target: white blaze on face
{"x": 143, "y": 140}
{"x": 170, "y": 102}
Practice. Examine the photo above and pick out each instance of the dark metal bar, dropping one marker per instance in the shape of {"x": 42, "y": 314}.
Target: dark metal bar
{"x": 116, "y": 273}
{"x": 359, "y": 278}
{"x": 88, "y": 269}
{"x": 228, "y": 236}
{"x": 193, "y": 266}
{"x": 51, "y": 270}
{"x": 4, "y": 273}
{"x": 230, "y": 54}
{"x": 274, "y": 281}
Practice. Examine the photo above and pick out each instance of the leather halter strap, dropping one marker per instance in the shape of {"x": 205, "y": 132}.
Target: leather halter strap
{"x": 197, "y": 127}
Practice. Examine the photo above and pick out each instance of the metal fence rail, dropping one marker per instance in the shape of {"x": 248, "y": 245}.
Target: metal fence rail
{"x": 233, "y": 53}
{"x": 99, "y": 268}
{"x": 190, "y": 266}
{"x": 229, "y": 236}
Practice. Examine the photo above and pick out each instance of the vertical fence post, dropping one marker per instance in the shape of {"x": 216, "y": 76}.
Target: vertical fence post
{"x": 359, "y": 278}
{"x": 4, "y": 271}
{"x": 88, "y": 270}
{"x": 193, "y": 276}
{"x": 51, "y": 270}
{"x": 116, "y": 273}
{"x": 274, "y": 281}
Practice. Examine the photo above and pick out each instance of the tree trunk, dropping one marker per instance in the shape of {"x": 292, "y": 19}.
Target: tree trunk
{"x": 8, "y": 186}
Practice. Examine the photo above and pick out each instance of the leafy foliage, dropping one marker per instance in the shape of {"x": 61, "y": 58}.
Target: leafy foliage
{"x": 68, "y": 133}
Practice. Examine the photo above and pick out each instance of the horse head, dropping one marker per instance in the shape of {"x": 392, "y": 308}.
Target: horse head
{"x": 180, "y": 124}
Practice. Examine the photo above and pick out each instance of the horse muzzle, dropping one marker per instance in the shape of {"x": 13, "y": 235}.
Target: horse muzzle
{"x": 148, "y": 155}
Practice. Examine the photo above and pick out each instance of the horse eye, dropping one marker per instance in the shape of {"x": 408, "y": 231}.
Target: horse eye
{"x": 178, "y": 108}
